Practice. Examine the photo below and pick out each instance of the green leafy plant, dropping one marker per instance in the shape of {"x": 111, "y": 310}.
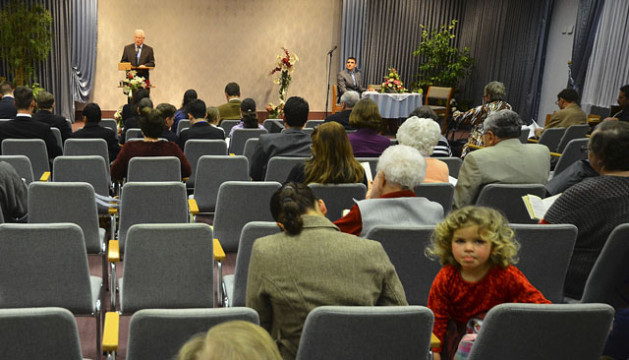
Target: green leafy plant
{"x": 25, "y": 38}
{"x": 441, "y": 63}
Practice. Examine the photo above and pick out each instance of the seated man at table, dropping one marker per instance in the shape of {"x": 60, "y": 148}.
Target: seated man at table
{"x": 349, "y": 79}
{"x": 348, "y": 100}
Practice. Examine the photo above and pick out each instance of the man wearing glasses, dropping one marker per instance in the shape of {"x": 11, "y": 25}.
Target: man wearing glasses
{"x": 569, "y": 112}
{"x": 349, "y": 79}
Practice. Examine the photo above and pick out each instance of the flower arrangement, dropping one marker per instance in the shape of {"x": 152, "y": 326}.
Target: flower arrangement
{"x": 132, "y": 82}
{"x": 285, "y": 66}
{"x": 392, "y": 82}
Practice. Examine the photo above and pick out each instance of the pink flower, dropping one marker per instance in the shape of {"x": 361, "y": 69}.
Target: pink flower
{"x": 396, "y": 82}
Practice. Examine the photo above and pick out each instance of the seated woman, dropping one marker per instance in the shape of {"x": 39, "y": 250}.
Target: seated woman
{"x": 442, "y": 149}
{"x": 284, "y": 292}
{"x": 423, "y": 135}
{"x": 366, "y": 141}
{"x": 596, "y": 205}
{"x": 249, "y": 118}
{"x": 152, "y": 124}
{"x": 332, "y": 161}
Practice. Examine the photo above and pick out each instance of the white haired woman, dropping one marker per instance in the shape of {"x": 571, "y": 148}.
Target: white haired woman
{"x": 423, "y": 135}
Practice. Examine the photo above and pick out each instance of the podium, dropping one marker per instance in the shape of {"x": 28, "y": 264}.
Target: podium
{"x": 126, "y": 67}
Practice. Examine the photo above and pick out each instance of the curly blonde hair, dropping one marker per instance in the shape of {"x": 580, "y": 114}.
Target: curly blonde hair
{"x": 492, "y": 227}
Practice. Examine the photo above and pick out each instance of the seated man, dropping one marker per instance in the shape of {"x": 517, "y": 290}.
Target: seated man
{"x": 231, "y": 110}
{"x": 7, "y": 103}
{"x": 199, "y": 128}
{"x": 504, "y": 159}
{"x": 623, "y": 102}
{"x": 348, "y": 100}
{"x": 46, "y": 104}
{"x": 292, "y": 142}
{"x": 569, "y": 112}
{"x": 392, "y": 200}
{"x": 168, "y": 111}
{"x": 13, "y": 200}
{"x": 349, "y": 78}
{"x": 92, "y": 130}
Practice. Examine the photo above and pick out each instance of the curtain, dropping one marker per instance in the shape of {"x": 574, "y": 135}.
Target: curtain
{"x": 607, "y": 69}
{"x": 84, "y": 37}
{"x": 352, "y": 32}
{"x": 585, "y": 30}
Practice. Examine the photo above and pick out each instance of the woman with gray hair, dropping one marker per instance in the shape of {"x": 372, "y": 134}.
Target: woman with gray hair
{"x": 423, "y": 135}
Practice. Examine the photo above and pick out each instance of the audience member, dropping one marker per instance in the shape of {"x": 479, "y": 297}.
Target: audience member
{"x": 199, "y": 128}
{"x": 366, "y": 141}
{"x": 597, "y": 204}
{"x": 505, "y": 160}
{"x": 24, "y": 127}
{"x": 291, "y": 142}
{"x": 249, "y": 118}
{"x": 284, "y": 292}
{"x": 493, "y": 101}
{"x": 348, "y": 101}
{"x": 7, "y": 103}
{"x": 391, "y": 199}
{"x": 332, "y": 161}
{"x": 213, "y": 116}
{"x": 45, "y": 106}
{"x": 349, "y": 78}
{"x": 477, "y": 250}
{"x": 14, "y": 191}
{"x": 168, "y": 112}
{"x": 569, "y": 112}
{"x": 189, "y": 96}
{"x": 152, "y": 125}
{"x": 423, "y": 135}
{"x": 131, "y": 112}
{"x": 623, "y": 101}
{"x": 442, "y": 149}
{"x": 573, "y": 174}
{"x": 231, "y": 109}
{"x": 93, "y": 130}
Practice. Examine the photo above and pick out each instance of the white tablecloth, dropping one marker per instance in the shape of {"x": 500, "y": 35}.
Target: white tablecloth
{"x": 395, "y": 105}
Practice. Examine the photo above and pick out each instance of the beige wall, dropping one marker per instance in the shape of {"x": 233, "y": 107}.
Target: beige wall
{"x": 204, "y": 44}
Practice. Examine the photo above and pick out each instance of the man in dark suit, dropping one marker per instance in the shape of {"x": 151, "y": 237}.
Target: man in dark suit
{"x": 139, "y": 54}
{"x": 46, "y": 104}
{"x": 7, "y": 104}
{"x": 200, "y": 129}
{"x": 349, "y": 79}
{"x": 348, "y": 100}
{"x": 292, "y": 142}
{"x": 24, "y": 127}
{"x": 92, "y": 130}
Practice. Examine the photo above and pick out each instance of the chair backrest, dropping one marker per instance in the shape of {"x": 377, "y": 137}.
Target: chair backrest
{"x": 238, "y": 203}
{"x": 57, "y": 133}
{"x": 61, "y": 280}
{"x": 577, "y": 149}
{"x": 454, "y": 165}
{"x": 183, "y": 124}
{"x": 195, "y": 148}
{"x": 212, "y": 171}
{"x": 572, "y": 132}
{"x": 278, "y": 167}
{"x": 545, "y": 253}
{"x": 168, "y": 266}
{"x": 132, "y": 133}
{"x": 250, "y": 148}
{"x": 273, "y": 125}
{"x": 335, "y": 100}
{"x": 174, "y": 327}
{"x": 154, "y": 168}
{"x": 443, "y": 193}
{"x": 524, "y": 135}
{"x": 91, "y": 169}
{"x": 86, "y": 147}
{"x": 227, "y": 125}
{"x": 551, "y": 137}
{"x": 43, "y": 333}
{"x": 405, "y": 247}
{"x": 72, "y": 202}
{"x": 22, "y": 165}
{"x": 338, "y": 197}
{"x": 607, "y": 282}
{"x": 508, "y": 199}
{"x": 240, "y": 136}
{"x": 34, "y": 149}
{"x": 439, "y": 93}
{"x": 543, "y": 331}
{"x": 366, "y": 332}
{"x": 311, "y": 124}
{"x": 250, "y": 232}
{"x": 110, "y": 124}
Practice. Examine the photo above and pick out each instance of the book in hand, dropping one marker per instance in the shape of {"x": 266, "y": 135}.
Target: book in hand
{"x": 537, "y": 206}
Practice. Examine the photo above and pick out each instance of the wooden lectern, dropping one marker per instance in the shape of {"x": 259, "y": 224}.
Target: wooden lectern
{"x": 126, "y": 66}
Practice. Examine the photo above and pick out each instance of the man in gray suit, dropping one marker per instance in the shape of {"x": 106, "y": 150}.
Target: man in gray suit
{"x": 349, "y": 79}
{"x": 504, "y": 159}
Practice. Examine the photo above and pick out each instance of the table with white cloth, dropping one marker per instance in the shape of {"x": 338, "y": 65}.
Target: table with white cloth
{"x": 394, "y": 106}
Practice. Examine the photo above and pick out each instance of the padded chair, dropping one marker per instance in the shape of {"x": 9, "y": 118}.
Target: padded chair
{"x": 34, "y": 149}
{"x": 250, "y": 148}
{"x": 22, "y": 165}
{"x": 236, "y": 284}
{"x": 366, "y": 332}
{"x": 212, "y": 171}
{"x": 311, "y": 124}
{"x": 240, "y": 136}
{"x": 110, "y": 124}
{"x": 338, "y": 197}
{"x": 278, "y": 167}
{"x": 195, "y": 148}
{"x": 543, "y": 331}
{"x": 86, "y": 147}
{"x": 551, "y": 138}
{"x": 545, "y": 254}
{"x": 335, "y": 100}
{"x": 441, "y": 95}
{"x": 39, "y": 333}
{"x": 233, "y": 197}
{"x": 273, "y": 125}
{"x": 405, "y": 247}
{"x": 154, "y": 168}
{"x": 91, "y": 169}
{"x": 443, "y": 193}
{"x": 227, "y": 125}
{"x": 57, "y": 133}
{"x": 133, "y": 133}
{"x": 577, "y": 149}
{"x": 454, "y": 165}
{"x": 182, "y": 124}
{"x": 373, "y": 163}
{"x": 508, "y": 199}
{"x": 571, "y": 133}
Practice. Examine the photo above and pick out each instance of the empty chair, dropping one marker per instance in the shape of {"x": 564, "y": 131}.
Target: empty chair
{"x": 86, "y": 147}
{"x": 183, "y": 124}
{"x": 133, "y": 133}
{"x": 311, "y": 124}
{"x": 240, "y": 136}
{"x": 279, "y": 167}
{"x": 508, "y": 199}
{"x": 405, "y": 247}
{"x": 250, "y": 148}
{"x": 543, "y": 331}
{"x": 366, "y": 332}
{"x": 110, "y": 124}
{"x": 34, "y": 149}
{"x": 22, "y": 165}
{"x": 195, "y": 148}
{"x": 238, "y": 203}
{"x": 273, "y": 125}
{"x": 443, "y": 193}
{"x": 338, "y": 197}
{"x": 442, "y": 96}
{"x": 571, "y": 133}
{"x": 454, "y": 165}
{"x": 227, "y": 125}
{"x": 154, "y": 168}
{"x": 551, "y": 137}
{"x": 91, "y": 169}
{"x": 544, "y": 256}
{"x": 212, "y": 171}
{"x": 575, "y": 150}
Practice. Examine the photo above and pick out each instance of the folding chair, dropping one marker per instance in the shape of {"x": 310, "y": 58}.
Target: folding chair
{"x": 279, "y": 167}
{"x": 338, "y": 197}
{"x": 508, "y": 199}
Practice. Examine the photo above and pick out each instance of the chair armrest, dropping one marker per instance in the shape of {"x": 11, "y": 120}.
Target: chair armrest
{"x": 113, "y": 255}
{"x": 474, "y": 146}
{"x": 219, "y": 254}
{"x": 193, "y": 207}
{"x": 535, "y": 141}
{"x": 555, "y": 154}
{"x": 185, "y": 179}
{"x": 45, "y": 176}
{"x": 113, "y": 211}
{"x": 110, "y": 331}
{"x": 434, "y": 341}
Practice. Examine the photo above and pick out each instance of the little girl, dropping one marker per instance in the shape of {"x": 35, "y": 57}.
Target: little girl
{"x": 477, "y": 248}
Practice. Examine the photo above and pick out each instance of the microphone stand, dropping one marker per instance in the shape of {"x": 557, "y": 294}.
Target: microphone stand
{"x": 327, "y": 93}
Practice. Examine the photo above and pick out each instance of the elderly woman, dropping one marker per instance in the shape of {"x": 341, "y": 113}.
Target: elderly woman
{"x": 442, "y": 149}
{"x": 493, "y": 101}
{"x": 423, "y": 135}
{"x": 392, "y": 199}
{"x": 366, "y": 118}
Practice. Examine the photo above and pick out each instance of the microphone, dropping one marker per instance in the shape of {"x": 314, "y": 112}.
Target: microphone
{"x": 331, "y": 51}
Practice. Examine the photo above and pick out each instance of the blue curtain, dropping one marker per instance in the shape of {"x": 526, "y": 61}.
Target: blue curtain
{"x": 584, "y": 33}
{"x": 352, "y": 32}
{"x": 84, "y": 38}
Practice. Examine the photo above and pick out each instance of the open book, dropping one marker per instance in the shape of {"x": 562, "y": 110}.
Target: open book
{"x": 537, "y": 206}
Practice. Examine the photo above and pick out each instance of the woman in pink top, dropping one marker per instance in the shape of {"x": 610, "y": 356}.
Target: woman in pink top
{"x": 423, "y": 135}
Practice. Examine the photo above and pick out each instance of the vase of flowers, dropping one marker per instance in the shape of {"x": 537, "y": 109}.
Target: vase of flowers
{"x": 284, "y": 67}
{"x": 392, "y": 83}
{"x": 132, "y": 82}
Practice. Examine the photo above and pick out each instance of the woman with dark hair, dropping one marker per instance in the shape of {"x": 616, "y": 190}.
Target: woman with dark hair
{"x": 188, "y": 96}
{"x": 249, "y": 118}
{"x": 312, "y": 252}
{"x": 152, "y": 125}
{"x": 366, "y": 118}
{"x": 332, "y": 160}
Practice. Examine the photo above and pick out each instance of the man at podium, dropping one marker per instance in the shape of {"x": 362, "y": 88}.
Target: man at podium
{"x": 139, "y": 54}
